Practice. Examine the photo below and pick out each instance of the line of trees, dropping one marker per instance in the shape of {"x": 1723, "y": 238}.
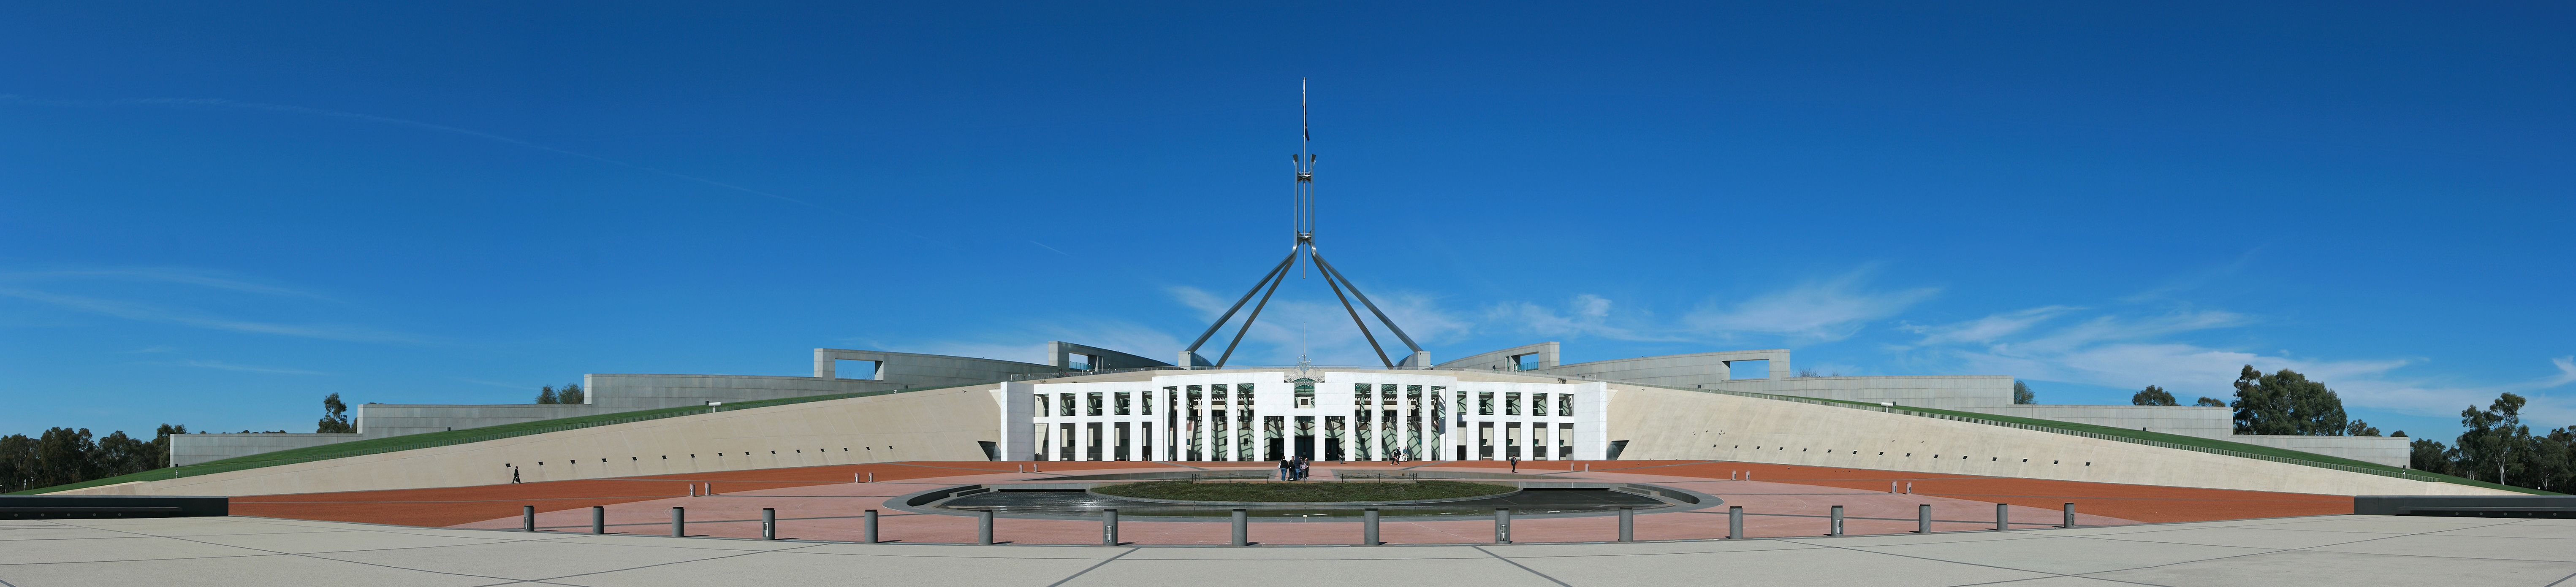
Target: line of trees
{"x": 571, "y": 394}
{"x": 2498, "y": 447}
{"x": 66, "y": 455}
{"x": 2282, "y": 403}
{"x": 2157, "y": 396}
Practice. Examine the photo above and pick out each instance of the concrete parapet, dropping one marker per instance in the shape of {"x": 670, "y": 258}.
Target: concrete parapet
{"x": 1520, "y": 358}
{"x": 1677, "y": 370}
{"x": 2394, "y": 451}
{"x": 380, "y": 420}
{"x": 190, "y": 449}
{"x": 619, "y": 392}
{"x": 919, "y": 370}
{"x": 930, "y": 425}
{"x": 1947, "y": 392}
{"x": 1676, "y": 424}
{"x": 2200, "y": 421}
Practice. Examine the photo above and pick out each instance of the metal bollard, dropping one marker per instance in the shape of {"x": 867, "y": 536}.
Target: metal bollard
{"x": 1909, "y": 488}
{"x": 1627, "y": 524}
{"x": 2003, "y": 517}
{"x": 1735, "y": 522}
{"x": 868, "y": 527}
{"x": 599, "y": 519}
{"x": 679, "y": 522}
{"x": 1835, "y": 528}
{"x": 768, "y": 523}
{"x": 872, "y": 476}
{"x": 984, "y": 527}
{"x": 1923, "y": 519}
{"x": 1240, "y": 522}
{"x": 528, "y": 514}
{"x": 1109, "y": 527}
{"x": 1502, "y": 525}
{"x": 1368, "y": 527}
{"x": 2070, "y": 515}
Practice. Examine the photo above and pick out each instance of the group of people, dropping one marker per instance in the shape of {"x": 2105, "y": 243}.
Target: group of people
{"x": 1292, "y": 469}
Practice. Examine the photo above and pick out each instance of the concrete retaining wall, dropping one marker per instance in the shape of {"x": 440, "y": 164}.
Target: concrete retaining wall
{"x": 2200, "y": 421}
{"x": 1672, "y": 424}
{"x": 380, "y": 420}
{"x": 2394, "y": 451}
{"x": 1546, "y": 355}
{"x": 1947, "y": 392}
{"x": 935, "y": 425}
{"x": 190, "y": 449}
{"x": 1677, "y": 370}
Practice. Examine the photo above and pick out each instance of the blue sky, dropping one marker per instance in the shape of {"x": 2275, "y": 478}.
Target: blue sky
{"x": 215, "y": 215}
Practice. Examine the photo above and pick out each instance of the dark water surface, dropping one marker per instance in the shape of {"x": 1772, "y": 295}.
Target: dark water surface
{"x": 1080, "y": 503}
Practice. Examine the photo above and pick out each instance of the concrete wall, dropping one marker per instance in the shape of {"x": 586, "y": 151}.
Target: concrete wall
{"x": 1948, "y": 392}
{"x": 1676, "y": 370}
{"x": 623, "y": 392}
{"x": 190, "y": 449}
{"x": 1100, "y": 358}
{"x": 933, "y": 425}
{"x": 2394, "y": 451}
{"x": 1673, "y": 424}
{"x": 1547, "y": 355}
{"x": 378, "y": 420}
{"x": 919, "y": 370}
{"x": 2201, "y": 421}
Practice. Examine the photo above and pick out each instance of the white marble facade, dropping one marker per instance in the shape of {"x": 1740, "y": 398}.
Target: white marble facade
{"x": 1325, "y": 416}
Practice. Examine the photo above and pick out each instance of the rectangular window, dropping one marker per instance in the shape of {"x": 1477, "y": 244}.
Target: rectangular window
{"x": 1538, "y": 404}
{"x": 1068, "y": 404}
{"x": 1564, "y": 440}
{"x": 1484, "y": 440}
{"x": 1093, "y": 404}
{"x": 1091, "y": 444}
{"x": 1124, "y": 446}
{"x": 1145, "y": 403}
{"x": 1144, "y": 443}
{"x": 1122, "y": 406}
{"x": 1565, "y": 405}
{"x": 1484, "y": 404}
{"x": 1194, "y": 401}
{"x": 1511, "y": 438}
{"x": 1512, "y": 404}
{"x": 1216, "y": 397}
{"x": 1064, "y": 440}
{"x": 1243, "y": 394}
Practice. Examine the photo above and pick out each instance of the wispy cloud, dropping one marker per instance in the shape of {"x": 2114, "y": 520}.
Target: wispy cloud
{"x": 2135, "y": 351}
{"x": 152, "y": 313}
{"x": 1583, "y": 315}
{"x": 249, "y": 368}
{"x": 1816, "y": 311}
{"x": 166, "y": 274}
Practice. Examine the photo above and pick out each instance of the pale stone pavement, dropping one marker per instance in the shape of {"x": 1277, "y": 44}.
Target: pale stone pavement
{"x": 2336, "y": 551}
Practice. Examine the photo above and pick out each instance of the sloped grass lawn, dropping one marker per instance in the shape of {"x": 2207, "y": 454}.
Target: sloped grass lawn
{"x": 435, "y": 439}
{"x": 1329, "y": 491}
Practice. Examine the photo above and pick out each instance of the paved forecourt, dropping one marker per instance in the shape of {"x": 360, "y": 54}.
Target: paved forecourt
{"x": 2335, "y": 551}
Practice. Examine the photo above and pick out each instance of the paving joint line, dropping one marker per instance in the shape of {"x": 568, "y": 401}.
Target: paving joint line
{"x": 1523, "y": 567}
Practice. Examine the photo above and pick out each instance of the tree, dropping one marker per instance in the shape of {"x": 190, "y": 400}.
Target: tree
{"x": 548, "y": 396}
{"x": 161, "y": 443}
{"x": 2429, "y": 456}
{"x": 2022, "y": 393}
{"x": 17, "y": 463}
{"x": 2210, "y": 402}
{"x": 2360, "y": 428}
{"x": 2286, "y": 403}
{"x": 571, "y": 394}
{"x": 63, "y": 456}
{"x": 335, "y": 418}
{"x": 2493, "y": 435}
{"x": 2152, "y": 396}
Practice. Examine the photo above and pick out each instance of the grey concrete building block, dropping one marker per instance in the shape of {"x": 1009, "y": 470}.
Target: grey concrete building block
{"x": 2200, "y": 421}
{"x": 1531, "y": 357}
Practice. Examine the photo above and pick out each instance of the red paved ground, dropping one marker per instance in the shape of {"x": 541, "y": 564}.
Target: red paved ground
{"x": 822, "y": 503}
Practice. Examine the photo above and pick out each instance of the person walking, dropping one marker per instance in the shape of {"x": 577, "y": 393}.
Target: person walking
{"x": 1516, "y": 463}
{"x": 1287, "y": 468}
